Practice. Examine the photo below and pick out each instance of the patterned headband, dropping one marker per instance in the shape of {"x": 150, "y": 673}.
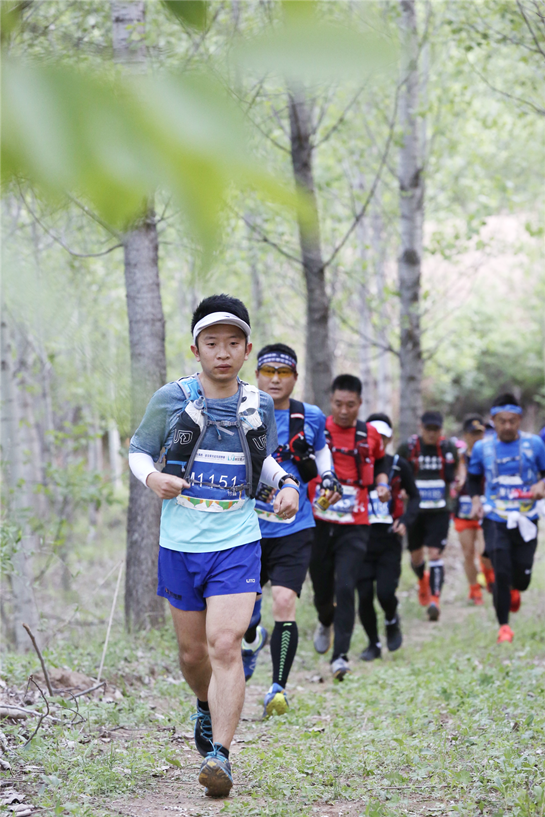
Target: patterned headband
{"x": 277, "y": 357}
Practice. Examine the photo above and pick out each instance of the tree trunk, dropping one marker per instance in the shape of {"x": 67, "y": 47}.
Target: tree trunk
{"x": 365, "y": 326}
{"x": 143, "y": 608}
{"x": 318, "y": 374}
{"x": 19, "y": 502}
{"x": 411, "y": 203}
{"x": 384, "y": 377}
{"x": 261, "y": 331}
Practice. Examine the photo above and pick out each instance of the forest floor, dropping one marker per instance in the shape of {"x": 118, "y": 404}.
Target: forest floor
{"x": 451, "y": 724}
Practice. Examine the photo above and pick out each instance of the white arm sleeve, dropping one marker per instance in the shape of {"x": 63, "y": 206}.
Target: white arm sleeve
{"x": 324, "y": 460}
{"x": 141, "y": 465}
{"x": 272, "y": 472}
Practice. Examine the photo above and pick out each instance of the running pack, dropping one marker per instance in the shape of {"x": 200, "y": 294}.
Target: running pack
{"x": 432, "y": 472}
{"x": 219, "y": 480}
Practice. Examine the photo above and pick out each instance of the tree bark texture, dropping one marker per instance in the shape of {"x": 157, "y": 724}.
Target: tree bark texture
{"x": 365, "y": 325}
{"x": 318, "y": 374}
{"x": 411, "y": 203}
{"x": 143, "y": 608}
{"x": 19, "y": 499}
{"x": 384, "y": 377}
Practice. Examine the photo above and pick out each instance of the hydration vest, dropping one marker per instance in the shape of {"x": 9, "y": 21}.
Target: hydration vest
{"x": 298, "y": 449}
{"x": 360, "y": 452}
{"x": 193, "y": 424}
{"x": 447, "y": 468}
{"x": 503, "y": 490}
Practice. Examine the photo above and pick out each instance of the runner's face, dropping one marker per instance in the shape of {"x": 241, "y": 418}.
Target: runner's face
{"x": 430, "y": 434}
{"x": 221, "y": 351}
{"x": 507, "y": 425}
{"x": 280, "y": 385}
{"x": 345, "y": 406}
{"x": 471, "y": 437}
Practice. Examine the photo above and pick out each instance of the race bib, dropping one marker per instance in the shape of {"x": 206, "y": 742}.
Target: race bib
{"x": 379, "y": 512}
{"x": 342, "y": 511}
{"x": 465, "y": 506}
{"x": 510, "y": 494}
{"x": 217, "y": 482}
{"x": 432, "y": 493}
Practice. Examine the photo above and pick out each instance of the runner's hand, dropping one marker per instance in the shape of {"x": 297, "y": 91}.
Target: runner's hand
{"x": 538, "y": 490}
{"x": 166, "y": 486}
{"x": 399, "y": 527}
{"x": 330, "y": 482}
{"x": 286, "y": 502}
{"x": 477, "y": 510}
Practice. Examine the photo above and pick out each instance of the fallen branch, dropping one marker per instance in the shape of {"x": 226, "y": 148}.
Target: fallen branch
{"x": 88, "y": 691}
{"x": 38, "y": 687}
{"x": 15, "y": 712}
{"x": 42, "y": 662}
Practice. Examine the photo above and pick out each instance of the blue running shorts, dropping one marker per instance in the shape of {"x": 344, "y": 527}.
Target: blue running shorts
{"x": 187, "y": 579}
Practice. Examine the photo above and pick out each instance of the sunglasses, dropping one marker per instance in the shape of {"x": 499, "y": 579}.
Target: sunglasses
{"x": 270, "y": 371}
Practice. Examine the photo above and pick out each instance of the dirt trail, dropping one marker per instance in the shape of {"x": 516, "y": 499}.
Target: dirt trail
{"x": 179, "y": 793}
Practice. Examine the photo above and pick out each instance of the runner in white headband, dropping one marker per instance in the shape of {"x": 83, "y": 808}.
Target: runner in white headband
{"x": 221, "y": 317}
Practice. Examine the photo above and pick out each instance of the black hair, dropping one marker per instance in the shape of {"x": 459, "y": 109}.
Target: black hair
{"x": 506, "y": 399}
{"x": 278, "y": 347}
{"x": 347, "y": 382}
{"x": 379, "y": 416}
{"x": 220, "y": 303}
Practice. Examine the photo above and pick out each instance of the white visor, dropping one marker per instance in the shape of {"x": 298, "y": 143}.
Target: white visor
{"x": 382, "y": 428}
{"x": 220, "y": 317}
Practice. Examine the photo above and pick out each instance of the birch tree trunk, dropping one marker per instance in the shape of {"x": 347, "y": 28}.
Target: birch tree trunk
{"x": 143, "y": 608}
{"x": 411, "y": 204}
{"x": 19, "y": 500}
{"x": 318, "y": 373}
{"x": 365, "y": 326}
{"x": 384, "y": 377}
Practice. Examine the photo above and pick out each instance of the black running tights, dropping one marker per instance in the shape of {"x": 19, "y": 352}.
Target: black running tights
{"x": 512, "y": 559}
{"x": 335, "y": 564}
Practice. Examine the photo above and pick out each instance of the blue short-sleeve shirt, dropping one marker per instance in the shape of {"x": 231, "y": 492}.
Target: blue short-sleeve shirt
{"x": 508, "y": 468}
{"x": 315, "y": 435}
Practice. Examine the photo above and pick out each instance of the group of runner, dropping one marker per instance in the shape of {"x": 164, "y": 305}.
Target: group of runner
{"x": 258, "y": 487}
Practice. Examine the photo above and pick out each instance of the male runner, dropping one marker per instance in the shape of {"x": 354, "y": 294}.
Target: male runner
{"x": 217, "y": 432}
{"x": 513, "y": 465}
{"x": 286, "y": 543}
{"x": 382, "y": 562}
{"x": 342, "y": 530}
{"x": 469, "y": 530}
{"x": 434, "y": 461}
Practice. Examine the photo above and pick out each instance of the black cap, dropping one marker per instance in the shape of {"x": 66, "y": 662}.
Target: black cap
{"x": 432, "y": 418}
{"x": 474, "y": 425}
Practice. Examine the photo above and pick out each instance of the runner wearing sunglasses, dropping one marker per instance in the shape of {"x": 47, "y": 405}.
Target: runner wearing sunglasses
{"x": 286, "y": 542}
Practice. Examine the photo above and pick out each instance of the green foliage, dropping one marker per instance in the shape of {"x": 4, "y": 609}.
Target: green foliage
{"x": 189, "y": 12}
{"x": 10, "y": 537}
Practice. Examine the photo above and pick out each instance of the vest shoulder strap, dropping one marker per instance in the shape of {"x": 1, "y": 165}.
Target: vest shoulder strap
{"x": 249, "y": 398}
{"x": 297, "y": 418}
{"x": 361, "y": 430}
{"x": 189, "y": 386}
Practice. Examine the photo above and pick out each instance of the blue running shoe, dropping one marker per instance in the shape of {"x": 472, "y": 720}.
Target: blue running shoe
{"x": 215, "y": 774}
{"x": 275, "y": 702}
{"x": 203, "y": 731}
{"x": 250, "y": 652}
